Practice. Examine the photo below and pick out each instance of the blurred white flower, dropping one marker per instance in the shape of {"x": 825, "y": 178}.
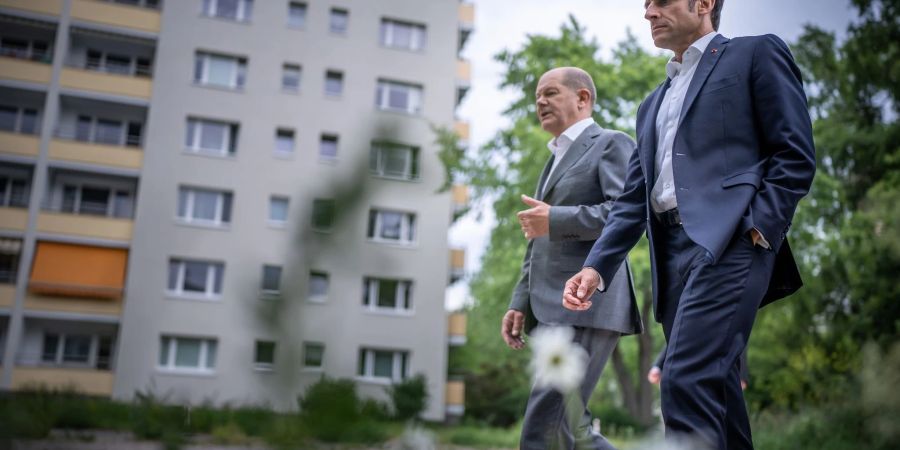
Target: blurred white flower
{"x": 556, "y": 361}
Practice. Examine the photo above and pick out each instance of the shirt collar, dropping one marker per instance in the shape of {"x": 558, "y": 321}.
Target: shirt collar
{"x": 690, "y": 57}
{"x": 569, "y": 136}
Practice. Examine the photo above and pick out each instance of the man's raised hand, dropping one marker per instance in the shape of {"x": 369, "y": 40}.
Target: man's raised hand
{"x": 579, "y": 289}
{"x": 535, "y": 221}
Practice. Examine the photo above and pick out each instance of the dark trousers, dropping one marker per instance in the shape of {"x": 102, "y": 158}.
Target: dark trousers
{"x": 546, "y": 425}
{"x": 707, "y": 312}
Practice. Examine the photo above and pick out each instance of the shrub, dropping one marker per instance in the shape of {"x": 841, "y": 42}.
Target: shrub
{"x": 329, "y": 408}
{"x": 410, "y": 397}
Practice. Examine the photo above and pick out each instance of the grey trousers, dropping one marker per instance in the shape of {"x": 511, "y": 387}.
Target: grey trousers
{"x": 545, "y": 425}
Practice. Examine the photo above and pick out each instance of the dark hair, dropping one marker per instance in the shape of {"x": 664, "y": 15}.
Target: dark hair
{"x": 715, "y": 15}
{"x": 575, "y": 79}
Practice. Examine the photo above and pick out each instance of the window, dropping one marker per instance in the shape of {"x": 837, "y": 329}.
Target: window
{"x": 296, "y": 15}
{"x": 394, "y": 161}
{"x": 264, "y": 355}
{"x": 334, "y": 83}
{"x": 211, "y": 137}
{"x": 239, "y": 10}
{"x": 392, "y": 226}
{"x": 405, "y": 35}
{"x": 338, "y": 20}
{"x": 328, "y": 146}
{"x": 13, "y": 191}
{"x": 10, "y": 249}
{"x": 204, "y": 206}
{"x": 387, "y": 295}
{"x": 313, "y": 355}
{"x": 290, "y": 77}
{"x": 187, "y": 354}
{"x": 271, "y": 280}
{"x": 284, "y": 141}
{"x": 105, "y": 131}
{"x": 97, "y": 200}
{"x": 192, "y": 278}
{"x": 229, "y": 72}
{"x": 117, "y": 64}
{"x": 63, "y": 348}
{"x": 383, "y": 364}
{"x": 323, "y": 214}
{"x": 34, "y": 50}
{"x": 318, "y": 286}
{"x": 401, "y": 97}
{"x": 18, "y": 120}
{"x": 278, "y": 210}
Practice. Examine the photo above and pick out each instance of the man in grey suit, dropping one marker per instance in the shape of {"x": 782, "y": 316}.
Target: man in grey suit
{"x": 583, "y": 177}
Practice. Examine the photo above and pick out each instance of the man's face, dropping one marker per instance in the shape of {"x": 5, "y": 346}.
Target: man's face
{"x": 557, "y": 105}
{"x": 674, "y": 25}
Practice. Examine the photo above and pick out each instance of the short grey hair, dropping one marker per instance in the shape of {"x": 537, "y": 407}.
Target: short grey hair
{"x": 575, "y": 79}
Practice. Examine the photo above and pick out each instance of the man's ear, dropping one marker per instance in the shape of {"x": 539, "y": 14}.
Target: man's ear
{"x": 705, "y": 6}
{"x": 584, "y": 96}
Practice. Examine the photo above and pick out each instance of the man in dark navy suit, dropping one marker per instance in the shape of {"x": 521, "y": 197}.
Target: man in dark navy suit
{"x": 725, "y": 153}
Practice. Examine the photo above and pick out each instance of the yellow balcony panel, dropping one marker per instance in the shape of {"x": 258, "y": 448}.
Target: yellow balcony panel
{"x": 455, "y": 393}
{"x": 462, "y": 129}
{"x": 456, "y": 328}
{"x": 13, "y": 218}
{"x": 140, "y": 19}
{"x": 107, "y": 83}
{"x": 457, "y": 258}
{"x": 19, "y": 144}
{"x": 7, "y": 295}
{"x": 24, "y": 70}
{"x": 460, "y": 193}
{"x": 463, "y": 71}
{"x": 99, "y": 154}
{"x": 86, "y": 381}
{"x": 87, "y": 226}
{"x": 51, "y": 7}
{"x": 77, "y": 305}
{"x": 466, "y": 14}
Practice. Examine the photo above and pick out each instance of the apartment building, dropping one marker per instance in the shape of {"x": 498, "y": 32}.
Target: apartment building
{"x": 225, "y": 200}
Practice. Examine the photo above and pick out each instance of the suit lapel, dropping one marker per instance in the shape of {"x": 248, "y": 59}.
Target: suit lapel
{"x": 649, "y": 129}
{"x": 539, "y": 192}
{"x": 573, "y": 154}
{"x": 706, "y": 65}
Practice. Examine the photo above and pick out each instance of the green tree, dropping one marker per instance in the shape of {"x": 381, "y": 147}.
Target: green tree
{"x": 510, "y": 165}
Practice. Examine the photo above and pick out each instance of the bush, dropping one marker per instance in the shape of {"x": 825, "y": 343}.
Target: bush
{"x": 229, "y": 434}
{"x": 410, "y": 397}
{"x": 329, "y": 408}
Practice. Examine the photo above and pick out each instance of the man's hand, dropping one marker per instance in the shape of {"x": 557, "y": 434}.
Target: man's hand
{"x": 535, "y": 221}
{"x": 579, "y": 289}
{"x": 755, "y": 236}
{"x": 511, "y": 329}
{"x": 654, "y": 376}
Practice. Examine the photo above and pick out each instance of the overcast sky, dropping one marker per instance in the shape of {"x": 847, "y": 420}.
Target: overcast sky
{"x": 505, "y": 24}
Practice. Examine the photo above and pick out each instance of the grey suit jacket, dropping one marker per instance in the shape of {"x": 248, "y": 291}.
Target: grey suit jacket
{"x": 581, "y": 192}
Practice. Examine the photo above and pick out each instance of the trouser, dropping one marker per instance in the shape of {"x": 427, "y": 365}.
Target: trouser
{"x": 546, "y": 425}
{"x": 707, "y": 312}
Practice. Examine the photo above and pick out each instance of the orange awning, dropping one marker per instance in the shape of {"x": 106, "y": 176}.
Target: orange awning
{"x": 78, "y": 270}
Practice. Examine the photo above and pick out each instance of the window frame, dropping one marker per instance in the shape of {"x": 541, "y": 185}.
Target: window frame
{"x": 229, "y": 141}
{"x": 285, "y": 68}
{"x": 400, "y": 364}
{"x": 244, "y": 13}
{"x": 238, "y": 75}
{"x": 209, "y": 293}
{"x": 403, "y": 300}
{"x": 302, "y": 6}
{"x": 203, "y": 367}
{"x": 263, "y": 289}
{"x": 264, "y": 365}
{"x": 332, "y": 14}
{"x": 59, "y": 352}
{"x": 287, "y": 202}
{"x": 18, "y": 122}
{"x": 318, "y": 298}
{"x": 311, "y": 368}
{"x": 415, "y": 96}
{"x": 190, "y": 192}
{"x": 338, "y": 75}
{"x": 377, "y": 165}
{"x": 418, "y": 34}
{"x": 408, "y": 226}
{"x": 77, "y": 204}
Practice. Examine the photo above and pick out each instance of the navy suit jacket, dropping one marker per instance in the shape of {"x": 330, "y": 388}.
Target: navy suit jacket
{"x": 743, "y": 157}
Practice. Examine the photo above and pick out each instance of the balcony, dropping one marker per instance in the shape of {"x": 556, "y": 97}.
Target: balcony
{"x": 456, "y": 328}
{"x": 110, "y": 228}
{"x": 16, "y": 69}
{"x": 106, "y": 83}
{"x": 62, "y": 272}
{"x": 457, "y": 264}
{"x": 19, "y": 144}
{"x": 7, "y": 295}
{"x": 142, "y": 20}
{"x": 48, "y": 7}
{"x": 466, "y": 23}
{"x": 455, "y": 398}
{"x": 97, "y": 154}
{"x": 89, "y": 205}
{"x": 89, "y": 306}
{"x": 85, "y": 381}
{"x": 463, "y": 79}
{"x": 13, "y": 218}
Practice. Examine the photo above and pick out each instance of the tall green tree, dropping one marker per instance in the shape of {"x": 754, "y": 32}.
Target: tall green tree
{"x": 510, "y": 165}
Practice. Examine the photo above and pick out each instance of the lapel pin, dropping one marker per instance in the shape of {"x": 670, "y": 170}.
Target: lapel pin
{"x": 714, "y": 50}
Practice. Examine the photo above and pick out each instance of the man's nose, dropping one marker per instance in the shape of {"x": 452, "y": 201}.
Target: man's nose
{"x": 651, "y": 12}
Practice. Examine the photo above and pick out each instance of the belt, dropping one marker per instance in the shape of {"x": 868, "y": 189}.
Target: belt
{"x": 669, "y": 218}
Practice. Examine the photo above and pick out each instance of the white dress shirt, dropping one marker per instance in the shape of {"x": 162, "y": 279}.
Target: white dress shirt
{"x": 560, "y": 145}
{"x": 662, "y": 197}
